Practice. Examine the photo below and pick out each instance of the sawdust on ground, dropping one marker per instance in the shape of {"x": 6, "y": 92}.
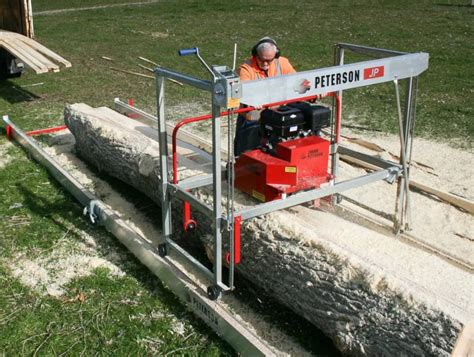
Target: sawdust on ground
{"x": 4, "y": 157}
{"x": 50, "y": 273}
{"x": 434, "y": 223}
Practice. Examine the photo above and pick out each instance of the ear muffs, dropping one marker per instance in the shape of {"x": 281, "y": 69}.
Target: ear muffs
{"x": 263, "y": 40}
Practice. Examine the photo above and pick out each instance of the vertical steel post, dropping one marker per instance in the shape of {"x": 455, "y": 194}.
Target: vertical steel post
{"x": 402, "y": 183}
{"x": 338, "y": 60}
{"x": 163, "y": 142}
{"x": 408, "y": 124}
{"x": 217, "y": 189}
{"x": 230, "y": 200}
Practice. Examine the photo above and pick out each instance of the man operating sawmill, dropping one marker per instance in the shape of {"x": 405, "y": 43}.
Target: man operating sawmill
{"x": 265, "y": 62}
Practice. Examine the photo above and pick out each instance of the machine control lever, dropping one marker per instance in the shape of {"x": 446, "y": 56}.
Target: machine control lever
{"x": 188, "y": 51}
{"x": 195, "y": 51}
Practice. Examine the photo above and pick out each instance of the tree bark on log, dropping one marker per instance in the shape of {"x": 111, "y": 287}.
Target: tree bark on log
{"x": 365, "y": 313}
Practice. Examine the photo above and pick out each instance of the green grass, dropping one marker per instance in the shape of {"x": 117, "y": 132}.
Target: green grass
{"x": 306, "y": 32}
{"x": 132, "y": 316}
{"x": 36, "y": 213}
{"x": 39, "y": 6}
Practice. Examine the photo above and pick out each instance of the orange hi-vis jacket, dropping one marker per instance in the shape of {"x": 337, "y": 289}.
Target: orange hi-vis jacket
{"x": 250, "y": 69}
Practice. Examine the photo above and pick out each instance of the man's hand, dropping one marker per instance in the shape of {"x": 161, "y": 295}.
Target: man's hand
{"x": 254, "y": 114}
{"x": 303, "y": 86}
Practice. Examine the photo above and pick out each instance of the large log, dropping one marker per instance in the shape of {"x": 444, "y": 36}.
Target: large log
{"x": 372, "y": 294}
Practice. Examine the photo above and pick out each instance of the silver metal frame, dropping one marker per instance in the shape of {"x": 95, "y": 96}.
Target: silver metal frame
{"x": 168, "y": 189}
{"x": 396, "y": 66}
{"x": 406, "y": 120}
{"x": 286, "y": 87}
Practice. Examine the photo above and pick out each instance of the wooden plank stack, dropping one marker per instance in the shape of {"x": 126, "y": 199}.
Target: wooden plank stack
{"x": 34, "y": 55}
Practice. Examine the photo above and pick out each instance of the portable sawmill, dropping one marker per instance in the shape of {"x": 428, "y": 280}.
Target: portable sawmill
{"x": 294, "y": 164}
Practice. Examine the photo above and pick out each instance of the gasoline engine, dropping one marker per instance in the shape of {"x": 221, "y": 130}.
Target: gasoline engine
{"x": 293, "y": 156}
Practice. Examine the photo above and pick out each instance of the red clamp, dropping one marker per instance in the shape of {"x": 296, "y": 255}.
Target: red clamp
{"x": 9, "y": 130}
{"x": 237, "y": 224}
{"x": 131, "y": 103}
{"x": 189, "y": 224}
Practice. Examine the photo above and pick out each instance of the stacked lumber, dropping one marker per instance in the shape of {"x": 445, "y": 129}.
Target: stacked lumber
{"x": 372, "y": 294}
{"x": 33, "y": 54}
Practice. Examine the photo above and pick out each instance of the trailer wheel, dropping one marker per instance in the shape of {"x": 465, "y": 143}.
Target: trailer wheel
{"x": 6, "y": 60}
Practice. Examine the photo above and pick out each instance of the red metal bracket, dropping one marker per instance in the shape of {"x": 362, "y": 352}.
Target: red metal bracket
{"x": 9, "y": 130}
{"x": 237, "y": 224}
{"x": 189, "y": 224}
{"x": 131, "y": 103}
{"x": 46, "y": 130}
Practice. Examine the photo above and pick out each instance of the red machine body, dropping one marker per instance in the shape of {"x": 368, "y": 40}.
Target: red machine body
{"x": 299, "y": 164}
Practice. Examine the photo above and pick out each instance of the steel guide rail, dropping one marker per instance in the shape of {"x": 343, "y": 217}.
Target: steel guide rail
{"x": 367, "y": 158}
{"x": 212, "y": 313}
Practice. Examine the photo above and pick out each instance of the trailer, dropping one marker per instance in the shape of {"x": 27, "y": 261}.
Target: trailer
{"x": 18, "y": 49}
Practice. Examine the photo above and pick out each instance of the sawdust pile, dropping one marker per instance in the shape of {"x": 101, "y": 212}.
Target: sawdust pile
{"x": 51, "y": 272}
{"x": 436, "y": 224}
{"x": 4, "y": 154}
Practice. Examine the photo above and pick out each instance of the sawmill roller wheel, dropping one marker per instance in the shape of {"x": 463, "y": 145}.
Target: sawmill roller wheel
{"x": 162, "y": 250}
{"x": 190, "y": 226}
{"x": 213, "y": 292}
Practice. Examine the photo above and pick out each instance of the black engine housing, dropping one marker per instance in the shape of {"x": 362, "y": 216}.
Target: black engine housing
{"x": 293, "y": 120}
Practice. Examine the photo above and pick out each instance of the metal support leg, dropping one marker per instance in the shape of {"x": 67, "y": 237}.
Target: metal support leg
{"x": 403, "y": 182}
{"x": 163, "y": 141}
{"x": 217, "y": 193}
{"x": 413, "y": 116}
{"x": 408, "y": 124}
{"x": 231, "y": 223}
{"x": 335, "y": 134}
{"x": 410, "y": 111}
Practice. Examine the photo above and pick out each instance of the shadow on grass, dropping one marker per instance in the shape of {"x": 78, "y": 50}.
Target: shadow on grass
{"x": 14, "y": 94}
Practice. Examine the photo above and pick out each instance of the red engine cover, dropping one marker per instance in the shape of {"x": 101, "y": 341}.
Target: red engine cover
{"x": 300, "y": 164}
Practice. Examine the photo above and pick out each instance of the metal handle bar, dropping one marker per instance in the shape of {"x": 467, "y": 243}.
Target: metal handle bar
{"x": 188, "y": 51}
{"x": 238, "y": 111}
